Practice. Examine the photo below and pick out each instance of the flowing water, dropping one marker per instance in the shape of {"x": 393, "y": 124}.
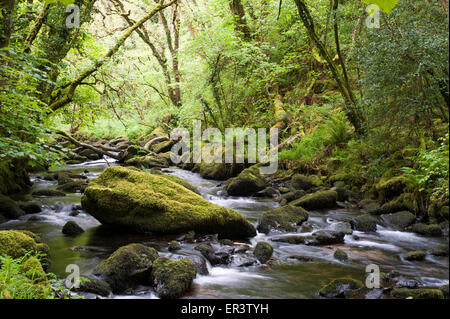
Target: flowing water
{"x": 290, "y": 278}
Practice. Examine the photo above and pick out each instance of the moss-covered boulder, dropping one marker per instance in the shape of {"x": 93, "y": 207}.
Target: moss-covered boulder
{"x": 365, "y": 223}
{"x": 17, "y": 243}
{"x": 149, "y": 161}
{"x": 151, "y": 203}
{"x": 32, "y": 268}
{"x": 338, "y": 287}
{"x": 403, "y": 202}
{"x": 291, "y": 196}
{"x": 263, "y": 251}
{"x": 127, "y": 266}
{"x": 317, "y": 200}
{"x": 420, "y": 293}
{"x": 31, "y": 207}
{"x": 417, "y": 255}
{"x": 301, "y": 182}
{"x": 172, "y": 279}
{"x": 440, "y": 250}
{"x": 390, "y": 187}
{"x": 94, "y": 286}
{"x": 174, "y": 246}
{"x": 9, "y": 209}
{"x": 286, "y": 218}
{"x": 401, "y": 219}
{"x": 432, "y": 230}
{"x": 249, "y": 181}
{"x": 348, "y": 179}
{"x": 13, "y": 176}
{"x": 341, "y": 255}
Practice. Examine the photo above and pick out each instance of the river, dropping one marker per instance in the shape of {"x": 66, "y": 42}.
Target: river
{"x": 288, "y": 278}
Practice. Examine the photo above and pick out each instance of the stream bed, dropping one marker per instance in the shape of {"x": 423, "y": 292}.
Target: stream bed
{"x": 290, "y": 277}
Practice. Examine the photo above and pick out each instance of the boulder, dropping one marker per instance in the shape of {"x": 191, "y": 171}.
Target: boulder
{"x": 317, "y": 200}
{"x": 71, "y": 228}
{"x": 17, "y": 243}
{"x": 341, "y": 255}
{"x": 148, "y": 161}
{"x": 291, "y": 196}
{"x": 263, "y": 251}
{"x": 417, "y": 255}
{"x": 9, "y": 208}
{"x": 388, "y": 188}
{"x": 172, "y": 279}
{"x": 174, "y": 246}
{"x": 440, "y": 250}
{"x": 420, "y": 293}
{"x": 432, "y": 230}
{"x": 31, "y": 207}
{"x": 152, "y": 203}
{"x": 285, "y": 218}
{"x": 401, "y": 219}
{"x": 127, "y": 266}
{"x": 365, "y": 223}
{"x": 220, "y": 256}
{"x": 301, "y": 182}
{"x": 94, "y": 286}
{"x": 268, "y": 192}
{"x": 249, "y": 181}
{"x": 338, "y": 287}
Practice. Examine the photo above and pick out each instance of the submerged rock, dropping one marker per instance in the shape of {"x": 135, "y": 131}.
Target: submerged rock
{"x": 249, "y": 181}
{"x": 285, "y": 218}
{"x": 127, "y": 266}
{"x": 152, "y": 203}
{"x": 338, "y": 287}
{"x": 172, "y": 279}
{"x": 47, "y": 193}
{"x": 263, "y": 251}
{"x": 317, "y": 200}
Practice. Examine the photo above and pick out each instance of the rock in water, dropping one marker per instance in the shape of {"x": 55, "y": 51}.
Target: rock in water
{"x": 153, "y": 203}
{"x": 72, "y": 229}
{"x": 317, "y": 200}
{"x": 127, "y": 266}
{"x": 263, "y": 251}
{"x": 172, "y": 279}
{"x": 286, "y": 218}
{"x": 338, "y": 287}
{"x": 249, "y": 181}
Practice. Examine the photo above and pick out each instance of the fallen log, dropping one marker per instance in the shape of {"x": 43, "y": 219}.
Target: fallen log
{"x": 84, "y": 145}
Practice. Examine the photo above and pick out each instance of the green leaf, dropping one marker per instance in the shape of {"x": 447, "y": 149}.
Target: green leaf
{"x": 385, "y": 5}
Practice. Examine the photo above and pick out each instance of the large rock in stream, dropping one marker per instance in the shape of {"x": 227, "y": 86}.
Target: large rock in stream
{"x": 147, "y": 202}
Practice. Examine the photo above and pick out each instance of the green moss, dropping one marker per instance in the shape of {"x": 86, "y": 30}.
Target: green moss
{"x": 348, "y": 179}
{"x": 432, "y": 230}
{"x": 173, "y": 278}
{"x": 405, "y": 201}
{"x": 421, "y": 293}
{"x": 337, "y": 287}
{"x": 341, "y": 255}
{"x": 317, "y": 200}
{"x": 182, "y": 182}
{"x": 365, "y": 223}
{"x": 400, "y": 219}
{"x": 152, "y": 203}
{"x": 16, "y": 244}
{"x": 263, "y": 251}
{"x": 285, "y": 218}
{"x": 32, "y": 268}
{"x": 249, "y": 181}
{"x": 417, "y": 255}
{"x": 126, "y": 266}
{"x": 389, "y": 188}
